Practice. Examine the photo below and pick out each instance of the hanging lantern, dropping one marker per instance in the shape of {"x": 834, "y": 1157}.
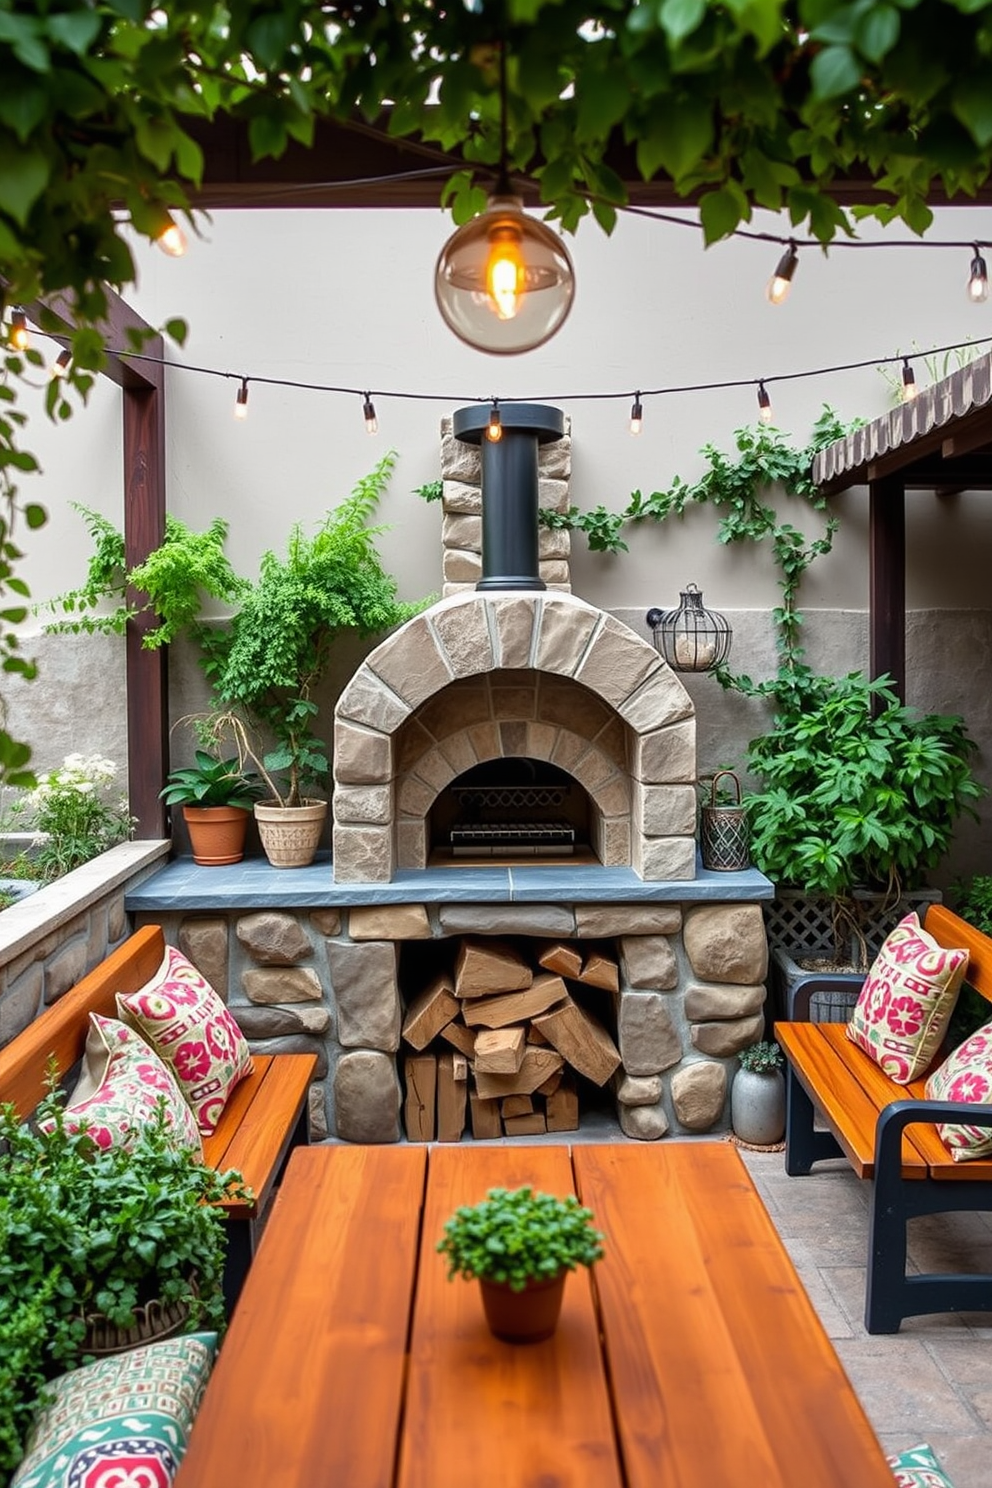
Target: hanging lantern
{"x": 691, "y": 638}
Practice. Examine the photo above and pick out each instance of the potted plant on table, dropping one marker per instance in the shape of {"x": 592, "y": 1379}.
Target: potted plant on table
{"x": 99, "y": 1249}
{"x": 520, "y": 1246}
{"x": 217, "y": 796}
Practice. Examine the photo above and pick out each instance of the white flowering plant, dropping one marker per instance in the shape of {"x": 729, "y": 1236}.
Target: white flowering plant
{"x": 76, "y": 813}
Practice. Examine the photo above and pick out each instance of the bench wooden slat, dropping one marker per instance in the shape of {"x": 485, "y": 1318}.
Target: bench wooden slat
{"x": 459, "y": 1375}
{"x": 258, "y": 1123}
{"x": 950, "y": 930}
{"x": 61, "y": 1029}
{"x": 703, "y": 1318}
{"x": 850, "y": 1112}
{"x": 298, "y": 1399}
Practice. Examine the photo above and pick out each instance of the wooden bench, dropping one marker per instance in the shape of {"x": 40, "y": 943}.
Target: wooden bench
{"x": 839, "y": 1103}
{"x": 267, "y": 1114}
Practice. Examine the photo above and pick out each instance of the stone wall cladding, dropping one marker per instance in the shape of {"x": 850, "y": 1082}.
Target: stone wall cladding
{"x": 461, "y": 511}
{"x": 332, "y": 981}
{"x": 483, "y": 676}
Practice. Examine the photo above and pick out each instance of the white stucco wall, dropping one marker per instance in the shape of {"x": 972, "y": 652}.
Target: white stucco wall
{"x": 345, "y": 298}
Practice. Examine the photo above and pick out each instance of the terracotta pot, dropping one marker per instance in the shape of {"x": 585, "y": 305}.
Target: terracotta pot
{"x": 529, "y": 1316}
{"x": 290, "y": 834}
{"x": 216, "y": 833}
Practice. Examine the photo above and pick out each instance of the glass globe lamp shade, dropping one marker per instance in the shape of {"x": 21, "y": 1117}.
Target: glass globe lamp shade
{"x": 504, "y": 282}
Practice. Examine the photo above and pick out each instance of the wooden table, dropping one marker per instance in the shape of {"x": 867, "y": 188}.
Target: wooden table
{"x": 690, "y": 1357}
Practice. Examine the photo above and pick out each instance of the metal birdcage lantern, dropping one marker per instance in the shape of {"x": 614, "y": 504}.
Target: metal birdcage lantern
{"x": 691, "y": 638}
{"x": 723, "y": 830}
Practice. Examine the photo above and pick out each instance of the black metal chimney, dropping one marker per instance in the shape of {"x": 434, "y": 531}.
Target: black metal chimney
{"x": 509, "y": 487}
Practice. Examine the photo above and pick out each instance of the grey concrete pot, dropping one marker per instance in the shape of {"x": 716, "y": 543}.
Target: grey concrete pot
{"x": 757, "y": 1106}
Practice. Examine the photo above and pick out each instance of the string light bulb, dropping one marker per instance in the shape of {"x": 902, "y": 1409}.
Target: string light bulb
{"x": 494, "y": 428}
{"x": 19, "y": 338}
{"x": 636, "y": 415}
{"x": 60, "y": 366}
{"x": 978, "y": 279}
{"x": 764, "y": 404}
{"x": 170, "y": 237}
{"x": 780, "y": 284}
{"x": 368, "y": 413}
{"x": 241, "y": 401}
{"x": 909, "y": 388}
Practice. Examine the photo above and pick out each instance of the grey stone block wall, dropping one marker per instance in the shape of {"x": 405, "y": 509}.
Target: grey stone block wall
{"x": 335, "y": 982}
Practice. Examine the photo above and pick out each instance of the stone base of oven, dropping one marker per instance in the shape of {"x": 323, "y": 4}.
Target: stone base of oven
{"x": 328, "y": 979}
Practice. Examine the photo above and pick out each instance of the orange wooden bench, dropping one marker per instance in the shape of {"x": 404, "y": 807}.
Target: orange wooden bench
{"x": 839, "y": 1103}
{"x": 266, "y": 1116}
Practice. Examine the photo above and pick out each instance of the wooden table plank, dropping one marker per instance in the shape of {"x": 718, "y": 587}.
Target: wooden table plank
{"x": 492, "y": 1414}
{"x": 720, "y": 1366}
{"x": 308, "y": 1387}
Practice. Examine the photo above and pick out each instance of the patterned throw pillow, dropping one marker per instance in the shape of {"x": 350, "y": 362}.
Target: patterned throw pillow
{"x": 121, "y": 1084}
{"x": 907, "y": 1001}
{"x": 918, "y": 1468}
{"x": 121, "y": 1422}
{"x": 966, "y": 1075}
{"x": 188, "y": 1026}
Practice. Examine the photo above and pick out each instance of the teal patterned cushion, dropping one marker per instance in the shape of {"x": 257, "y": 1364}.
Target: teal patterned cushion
{"x": 123, "y": 1420}
{"x": 918, "y": 1468}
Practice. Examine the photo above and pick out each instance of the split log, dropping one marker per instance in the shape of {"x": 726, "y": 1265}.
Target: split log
{"x": 516, "y": 1007}
{"x": 486, "y": 1123}
{"x": 451, "y": 1100}
{"x": 484, "y": 967}
{"x": 563, "y": 1108}
{"x": 583, "y": 1041}
{"x": 525, "y": 1126}
{"x": 599, "y": 971}
{"x": 537, "y": 1065}
{"x": 459, "y": 1066}
{"x": 420, "y": 1075}
{"x": 500, "y": 1051}
{"x": 430, "y": 1012}
{"x": 460, "y": 1037}
{"x": 516, "y": 1105}
{"x": 561, "y": 957}
{"x": 551, "y": 1084}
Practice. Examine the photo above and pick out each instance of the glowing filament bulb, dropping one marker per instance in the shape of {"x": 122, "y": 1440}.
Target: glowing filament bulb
{"x": 172, "y": 239}
{"x": 636, "y": 415}
{"x": 241, "y": 402}
{"x": 60, "y": 367}
{"x": 494, "y": 428}
{"x": 369, "y": 414}
{"x": 781, "y": 281}
{"x": 505, "y": 273}
{"x": 764, "y": 404}
{"x": 19, "y": 338}
{"x": 978, "y": 282}
{"x": 909, "y": 388}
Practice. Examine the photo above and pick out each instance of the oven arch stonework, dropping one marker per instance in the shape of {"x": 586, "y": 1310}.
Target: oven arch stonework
{"x": 404, "y": 727}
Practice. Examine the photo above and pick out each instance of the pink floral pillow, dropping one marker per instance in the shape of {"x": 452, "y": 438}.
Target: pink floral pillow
{"x": 907, "y": 1001}
{"x": 966, "y": 1075}
{"x": 188, "y": 1026}
{"x": 121, "y": 1084}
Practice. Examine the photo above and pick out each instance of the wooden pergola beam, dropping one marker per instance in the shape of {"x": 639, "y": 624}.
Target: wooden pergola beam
{"x": 146, "y": 702}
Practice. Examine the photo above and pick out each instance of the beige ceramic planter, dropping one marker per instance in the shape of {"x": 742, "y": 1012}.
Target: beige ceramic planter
{"x": 290, "y": 834}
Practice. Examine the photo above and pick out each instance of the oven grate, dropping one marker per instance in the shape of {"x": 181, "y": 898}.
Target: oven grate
{"x": 491, "y": 839}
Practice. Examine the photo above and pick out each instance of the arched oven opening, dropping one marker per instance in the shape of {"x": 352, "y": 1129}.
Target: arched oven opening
{"x": 511, "y": 808}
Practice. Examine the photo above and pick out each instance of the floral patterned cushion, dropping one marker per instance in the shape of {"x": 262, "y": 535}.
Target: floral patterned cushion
{"x": 121, "y": 1084}
{"x": 188, "y": 1026}
{"x": 966, "y": 1075}
{"x": 122, "y": 1422}
{"x": 907, "y": 1001}
{"x": 918, "y": 1468}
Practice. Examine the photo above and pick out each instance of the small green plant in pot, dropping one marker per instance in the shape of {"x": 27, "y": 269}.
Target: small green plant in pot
{"x": 217, "y": 796}
{"x": 520, "y": 1246}
{"x": 757, "y": 1096}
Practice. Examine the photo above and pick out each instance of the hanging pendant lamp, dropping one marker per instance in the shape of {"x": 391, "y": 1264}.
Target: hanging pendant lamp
{"x": 504, "y": 282}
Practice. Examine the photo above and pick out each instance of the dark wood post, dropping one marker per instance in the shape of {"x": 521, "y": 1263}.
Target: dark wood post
{"x": 887, "y": 580}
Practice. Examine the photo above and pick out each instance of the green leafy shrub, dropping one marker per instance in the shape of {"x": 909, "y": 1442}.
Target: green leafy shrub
{"x": 86, "y": 1230}
{"x": 973, "y": 901}
{"x": 518, "y": 1235}
{"x": 852, "y": 796}
{"x": 74, "y": 808}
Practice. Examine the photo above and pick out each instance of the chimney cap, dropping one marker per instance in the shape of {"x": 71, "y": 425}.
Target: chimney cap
{"x": 469, "y": 424}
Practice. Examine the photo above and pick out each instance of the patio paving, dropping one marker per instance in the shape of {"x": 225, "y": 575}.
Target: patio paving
{"x": 931, "y": 1381}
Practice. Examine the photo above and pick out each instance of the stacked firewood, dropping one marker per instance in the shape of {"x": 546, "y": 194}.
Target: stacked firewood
{"x": 500, "y": 1040}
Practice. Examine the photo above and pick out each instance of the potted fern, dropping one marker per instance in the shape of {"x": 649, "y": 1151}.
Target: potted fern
{"x": 520, "y": 1246}
{"x": 266, "y": 664}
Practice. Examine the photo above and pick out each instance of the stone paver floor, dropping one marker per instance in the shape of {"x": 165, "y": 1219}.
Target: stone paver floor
{"x": 932, "y": 1381}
